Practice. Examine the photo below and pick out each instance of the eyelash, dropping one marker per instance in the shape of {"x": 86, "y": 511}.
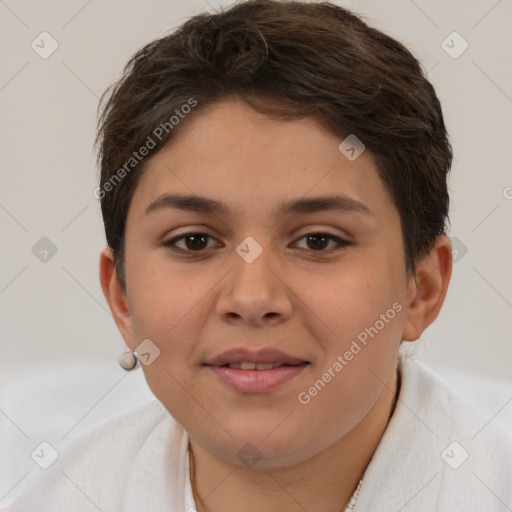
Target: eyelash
{"x": 171, "y": 244}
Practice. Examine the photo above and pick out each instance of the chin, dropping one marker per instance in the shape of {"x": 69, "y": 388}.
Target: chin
{"x": 264, "y": 446}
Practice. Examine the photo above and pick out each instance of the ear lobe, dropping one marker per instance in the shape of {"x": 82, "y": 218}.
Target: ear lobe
{"x": 115, "y": 296}
{"x": 427, "y": 289}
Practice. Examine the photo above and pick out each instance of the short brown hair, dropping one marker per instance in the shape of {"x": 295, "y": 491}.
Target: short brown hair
{"x": 310, "y": 59}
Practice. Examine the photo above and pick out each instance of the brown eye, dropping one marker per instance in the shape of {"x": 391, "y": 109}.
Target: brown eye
{"x": 193, "y": 242}
{"x": 196, "y": 242}
{"x": 317, "y": 242}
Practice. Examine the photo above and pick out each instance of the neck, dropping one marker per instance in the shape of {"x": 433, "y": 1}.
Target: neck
{"x": 325, "y": 482}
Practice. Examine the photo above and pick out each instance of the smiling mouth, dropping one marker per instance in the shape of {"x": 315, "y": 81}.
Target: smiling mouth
{"x": 246, "y": 365}
{"x": 256, "y": 378}
{"x": 255, "y": 371}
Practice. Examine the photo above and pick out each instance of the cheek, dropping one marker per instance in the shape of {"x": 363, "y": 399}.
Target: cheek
{"x": 359, "y": 324}
{"x": 164, "y": 295}
{"x": 344, "y": 303}
{"x": 166, "y": 309}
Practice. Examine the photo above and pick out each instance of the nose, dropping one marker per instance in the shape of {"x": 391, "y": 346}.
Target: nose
{"x": 255, "y": 293}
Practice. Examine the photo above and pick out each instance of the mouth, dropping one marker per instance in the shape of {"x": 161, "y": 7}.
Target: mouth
{"x": 246, "y": 365}
{"x": 255, "y": 372}
{"x": 262, "y": 359}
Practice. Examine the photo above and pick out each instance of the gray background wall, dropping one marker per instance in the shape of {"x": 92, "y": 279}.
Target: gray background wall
{"x": 53, "y": 313}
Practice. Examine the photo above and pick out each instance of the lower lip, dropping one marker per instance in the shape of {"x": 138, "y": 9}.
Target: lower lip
{"x": 256, "y": 381}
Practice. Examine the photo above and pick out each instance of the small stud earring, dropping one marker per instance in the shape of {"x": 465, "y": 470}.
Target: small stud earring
{"x": 128, "y": 361}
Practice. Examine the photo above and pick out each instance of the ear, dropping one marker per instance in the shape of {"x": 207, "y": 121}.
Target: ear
{"x": 115, "y": 296}
{"x": 427, "y": 288}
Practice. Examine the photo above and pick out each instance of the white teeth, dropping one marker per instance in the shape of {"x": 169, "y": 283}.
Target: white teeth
{"x": 244, "y": 365}
{"x": 264, "y": 366}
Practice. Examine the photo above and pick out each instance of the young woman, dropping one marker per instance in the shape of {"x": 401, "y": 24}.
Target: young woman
{"x": 274, "y": 194}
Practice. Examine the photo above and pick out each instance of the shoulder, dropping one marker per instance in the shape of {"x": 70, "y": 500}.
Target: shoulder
{"x": 474, "y": 454}
{"x": 438, "y": 453}
{"x": 91, "y": 470}
{"x": 443, "y": 407}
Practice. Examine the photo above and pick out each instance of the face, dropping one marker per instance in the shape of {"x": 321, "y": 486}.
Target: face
{"x": 316, "y": 288}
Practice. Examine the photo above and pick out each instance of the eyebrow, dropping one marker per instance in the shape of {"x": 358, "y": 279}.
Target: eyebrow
{"x": 200, "y": 204}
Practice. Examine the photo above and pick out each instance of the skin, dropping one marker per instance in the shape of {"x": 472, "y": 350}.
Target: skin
{"x": 196, "y": 306}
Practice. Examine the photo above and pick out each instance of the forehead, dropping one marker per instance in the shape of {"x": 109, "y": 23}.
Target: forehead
{"x": 251, "y": 164}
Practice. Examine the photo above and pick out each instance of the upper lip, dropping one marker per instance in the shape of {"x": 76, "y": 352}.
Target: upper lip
{"x": 265, "y": 355}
